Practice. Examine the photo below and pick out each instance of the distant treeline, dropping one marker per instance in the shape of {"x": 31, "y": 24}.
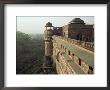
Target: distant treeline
{"x": 29, "y": 53}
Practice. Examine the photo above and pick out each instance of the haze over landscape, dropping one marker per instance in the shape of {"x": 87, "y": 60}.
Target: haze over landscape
{"x": 36, "y": 25}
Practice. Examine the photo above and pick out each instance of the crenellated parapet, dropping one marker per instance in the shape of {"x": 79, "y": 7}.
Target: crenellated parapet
{"x": 86, "y": 45}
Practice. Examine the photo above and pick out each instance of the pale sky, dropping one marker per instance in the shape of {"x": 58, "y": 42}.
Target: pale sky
{"x": 36, "y": 25}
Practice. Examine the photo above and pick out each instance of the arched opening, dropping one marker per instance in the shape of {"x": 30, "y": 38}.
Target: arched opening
{"x": 79, "y": 37}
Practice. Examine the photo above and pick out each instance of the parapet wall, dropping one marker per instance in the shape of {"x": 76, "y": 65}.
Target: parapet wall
{"x": 73, "y": 56}
{"x": 86, "y": 45}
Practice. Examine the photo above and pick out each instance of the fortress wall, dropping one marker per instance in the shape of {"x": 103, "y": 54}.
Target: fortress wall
{"x": 48, "y": 49}
{"x": 61, "y": 64}
{"x": 73, "y": 30}
{"x": 72, "y": 49}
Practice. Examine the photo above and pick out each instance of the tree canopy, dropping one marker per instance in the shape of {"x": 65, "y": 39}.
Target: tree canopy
{"x": 29, "y": 53}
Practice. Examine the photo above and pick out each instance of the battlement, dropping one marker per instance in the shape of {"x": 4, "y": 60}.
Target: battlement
{"x": 86, "y": 45}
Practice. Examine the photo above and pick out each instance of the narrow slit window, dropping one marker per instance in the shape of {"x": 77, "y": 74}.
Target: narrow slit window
{"x": 68, "y": 52}
{"x": 61, "y": 45}
{"x": 79, "y": 61}
{"x": 73, "y": 55}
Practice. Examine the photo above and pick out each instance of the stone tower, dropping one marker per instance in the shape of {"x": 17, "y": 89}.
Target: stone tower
{"x": 48, "y": 47}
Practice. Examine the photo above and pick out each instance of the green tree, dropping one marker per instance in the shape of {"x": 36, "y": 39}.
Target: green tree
{"x": 29, "y": 53}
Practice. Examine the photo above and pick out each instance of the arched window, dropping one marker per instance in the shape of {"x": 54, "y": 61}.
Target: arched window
{"x": 79, "y": 36}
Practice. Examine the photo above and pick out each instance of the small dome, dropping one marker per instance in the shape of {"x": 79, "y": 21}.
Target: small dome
{"x": 48, "y": 24}
{"x": 77, "y": 21}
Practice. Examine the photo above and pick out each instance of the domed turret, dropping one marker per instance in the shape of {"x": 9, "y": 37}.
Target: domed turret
{"x": 49, "y": 31}
{"x": 48, "y": 25}
{"x": 77, "y": 21}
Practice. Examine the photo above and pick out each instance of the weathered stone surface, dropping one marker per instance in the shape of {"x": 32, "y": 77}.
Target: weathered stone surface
{"x": 72, "y": 49}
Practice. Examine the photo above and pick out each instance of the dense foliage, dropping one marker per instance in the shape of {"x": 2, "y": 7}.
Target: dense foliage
{"x": 29, "y": 53}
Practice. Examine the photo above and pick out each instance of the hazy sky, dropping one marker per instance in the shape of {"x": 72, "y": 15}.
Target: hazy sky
{"x": 33, "y": 25}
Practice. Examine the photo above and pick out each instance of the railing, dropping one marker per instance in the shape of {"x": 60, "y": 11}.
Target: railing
{"x": 86, "y": 45}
